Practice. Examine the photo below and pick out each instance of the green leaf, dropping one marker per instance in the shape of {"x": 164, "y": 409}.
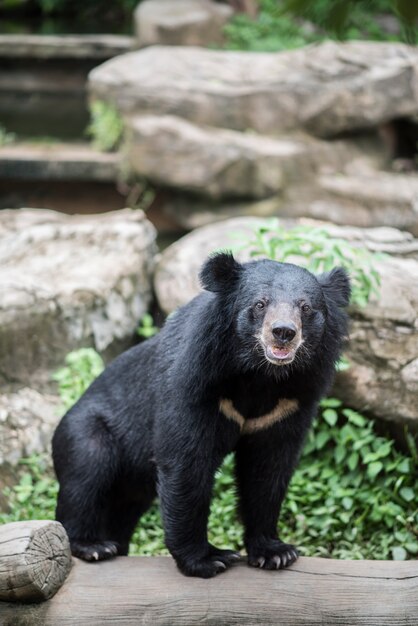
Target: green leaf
{"x": 374, "y": 469}
{"x": 404, "y": 466}
{"x": 332, "y": 403}
{"x": 339, "y": 453}
{"x": 412, "y": 547}
{"x": 407, "y": 494}
{"x": 347, "y": 503}
{"x": 354, "y": 417}
{"x": 321, "y": 439}
{"x": 330, "y": 416}
{"x": 399, "y": 553}
{"x": 353, "y": 460}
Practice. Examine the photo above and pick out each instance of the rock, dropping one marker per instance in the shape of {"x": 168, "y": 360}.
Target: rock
{"x": 328, "y": 88}
{"x": 27, "y": 420}
{"x": 362, "y": 198}
{"x": 382, "y": 379}
{"x": 180, "y": 23}
{"x": 218, "y": 163}
{"x": 383, "y": 197}
{"x": 68, "y": 282}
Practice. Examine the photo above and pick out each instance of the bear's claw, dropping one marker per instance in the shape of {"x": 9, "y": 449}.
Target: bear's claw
{"x": 97, "y": 551}
{"x": 215, "y": 562}
{"x": 275, "y": 555}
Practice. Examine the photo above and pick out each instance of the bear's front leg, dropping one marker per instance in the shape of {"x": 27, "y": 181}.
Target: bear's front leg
{"x": 187, "y": 463}
{"x": 264, "y": 465}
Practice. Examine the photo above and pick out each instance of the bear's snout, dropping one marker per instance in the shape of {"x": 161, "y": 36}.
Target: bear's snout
{"x": 283, "y": 332}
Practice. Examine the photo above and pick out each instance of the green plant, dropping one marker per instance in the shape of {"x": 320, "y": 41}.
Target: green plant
{"x": 294, "y": 23}
{"x": 147, "y": 328}
{"x": 340, "y": 17}
{"x": 271, "y": 31}
{"x": 6, "y": 138}
{"x": 106, "y": 126}
{"x": 352, "y": 495}
{"x": 35, "y": 495}
{"x": 81, "y": 368}
{"x": 318, "y": 251}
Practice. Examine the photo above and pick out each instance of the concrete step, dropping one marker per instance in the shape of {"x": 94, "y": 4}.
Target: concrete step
{"x": 57, "y": 161}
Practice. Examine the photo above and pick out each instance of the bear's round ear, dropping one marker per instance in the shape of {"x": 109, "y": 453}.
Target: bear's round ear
{"x": 221, "y": 271}
{"x": 336, "y": 286}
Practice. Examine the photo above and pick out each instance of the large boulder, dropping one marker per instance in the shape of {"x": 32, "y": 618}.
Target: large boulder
{"x": 328, "y": 88}
{"x": 383, "y": 377}
{"x": 215, "y": 162}
{"x": 69, "y": 281}
{"x": 180, "y": 22}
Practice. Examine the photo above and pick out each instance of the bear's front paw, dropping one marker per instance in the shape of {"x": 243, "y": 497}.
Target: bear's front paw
{"x": 214, "y": 562}
{"x": 94, "y": 551}
{"x": 271, "y": 554}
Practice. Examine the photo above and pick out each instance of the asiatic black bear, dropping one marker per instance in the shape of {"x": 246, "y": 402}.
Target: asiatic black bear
{"x": 240, "y": 368}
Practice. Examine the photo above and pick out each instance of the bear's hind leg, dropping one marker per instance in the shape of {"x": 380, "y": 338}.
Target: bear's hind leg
{"x": 86, "y": 464}
{"x": 124, "y": 515}
{"x": 84, "y": 518}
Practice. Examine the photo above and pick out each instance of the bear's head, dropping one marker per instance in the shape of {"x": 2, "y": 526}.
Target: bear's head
{"x": 281, "y": 311}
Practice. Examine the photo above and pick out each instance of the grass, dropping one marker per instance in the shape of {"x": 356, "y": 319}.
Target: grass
{"x": 295, "y": 23}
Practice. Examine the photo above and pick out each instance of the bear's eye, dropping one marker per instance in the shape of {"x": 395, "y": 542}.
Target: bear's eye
{"x": 259, "y": 305}
{"x": 305, "y": 308}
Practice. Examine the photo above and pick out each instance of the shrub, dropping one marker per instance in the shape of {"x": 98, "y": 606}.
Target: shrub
{"x": 106, "y": 126}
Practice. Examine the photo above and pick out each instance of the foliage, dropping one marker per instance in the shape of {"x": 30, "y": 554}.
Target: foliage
{"x": 318, "y": 251}
{"x": 349, "y": 19}
{"x": 294, "y": 23}
{"x": 106, "y": 126}
{"x": 147, "y": 328}
{"x": 35, "y": 496}
{"x": 6, "y": 138}
{"x": 48, "y": 7}
{"x": 81, "y": 368}
{"x": 272, "y": 31}
{"x": 352, "y": 496}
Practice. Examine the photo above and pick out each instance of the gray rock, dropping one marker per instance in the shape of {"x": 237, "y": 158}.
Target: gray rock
{"x": 68, "y": 282}
{"x": 27, "y": 421}
{"x": 353, "y": 195}
{"x": 180, "y": 22}
{"x": 380, "y": 197}
{"x": 218, "y": 163}
{"x": 382, "y": 379}
{"x": 327, "y": 88}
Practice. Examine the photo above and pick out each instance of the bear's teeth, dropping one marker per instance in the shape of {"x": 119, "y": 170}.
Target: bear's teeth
{"x": 280, "y": 352}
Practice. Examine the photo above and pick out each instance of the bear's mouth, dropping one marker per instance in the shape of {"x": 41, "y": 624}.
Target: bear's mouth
{"x": 280, "y": 355}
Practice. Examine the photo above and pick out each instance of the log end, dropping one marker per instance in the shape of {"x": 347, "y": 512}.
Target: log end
{"x": 35, "y": 559}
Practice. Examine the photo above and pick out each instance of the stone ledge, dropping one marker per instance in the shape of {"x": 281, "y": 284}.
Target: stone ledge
{"x": 99, "y": 47}
{"x": 57, "y": 161}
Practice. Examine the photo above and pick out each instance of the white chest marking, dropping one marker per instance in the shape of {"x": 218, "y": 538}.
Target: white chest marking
{"x": 283, "y": 409}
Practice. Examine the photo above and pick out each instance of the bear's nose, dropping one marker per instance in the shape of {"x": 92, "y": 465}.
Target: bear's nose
{"x": 284, "y": 332}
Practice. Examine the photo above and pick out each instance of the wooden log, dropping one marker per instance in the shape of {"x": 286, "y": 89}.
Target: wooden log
{"x": 35, "y": 559}
{"x": 149, "y": 591}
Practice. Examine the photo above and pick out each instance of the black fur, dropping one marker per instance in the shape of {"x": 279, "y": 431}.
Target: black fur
{"x": 152, "y": 421}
